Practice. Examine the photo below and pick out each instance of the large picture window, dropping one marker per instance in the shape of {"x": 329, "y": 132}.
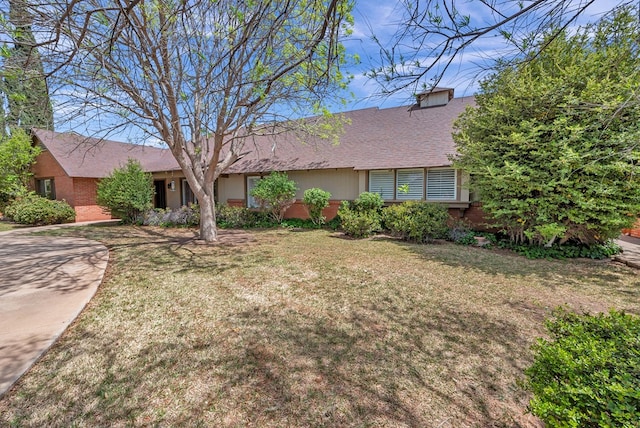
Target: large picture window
{"x": 409, "y": 184}
{"x": 383, "y": 183}
{"x": 441, "y": 184}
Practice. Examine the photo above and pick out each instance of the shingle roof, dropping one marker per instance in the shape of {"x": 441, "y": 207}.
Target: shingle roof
{"x": 81, "y": 156}
{"x": 399, "y": 137}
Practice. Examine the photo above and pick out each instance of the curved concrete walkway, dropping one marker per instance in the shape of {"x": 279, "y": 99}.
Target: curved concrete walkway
{"x": 45, "y": 282}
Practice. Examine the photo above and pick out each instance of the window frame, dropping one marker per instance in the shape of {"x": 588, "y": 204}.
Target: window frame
{"x": 454, "y": 190}
{"x": 450, "y": 187}
{"x": 250, "y": 202}
{"x": 187, "y": 196}
{"x": 41, "y": 187}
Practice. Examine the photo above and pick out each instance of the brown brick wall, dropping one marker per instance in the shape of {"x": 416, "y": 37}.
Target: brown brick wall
{"x": 47, "y": 167}
{"x": 85, "y": 200}
{"x": 635, "y": 231}
{"x": 298, "y": 210}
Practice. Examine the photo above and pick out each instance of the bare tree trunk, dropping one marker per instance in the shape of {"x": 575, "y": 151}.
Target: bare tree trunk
{"x": 208, "y": 230}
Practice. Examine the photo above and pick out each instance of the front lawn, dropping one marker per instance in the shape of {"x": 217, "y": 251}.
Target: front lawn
{"x": 295, "y": 329}
{"x": 7, "y": 225}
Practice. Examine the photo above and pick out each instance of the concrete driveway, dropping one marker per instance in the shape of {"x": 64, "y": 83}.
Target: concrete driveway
{"x": 45, "y": 282}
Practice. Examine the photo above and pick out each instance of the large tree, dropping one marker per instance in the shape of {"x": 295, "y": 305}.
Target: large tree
{"x": 553, "y": 146}
{"x": 22, "y": 79}
{"x": 434, "y": 36}
{"x": 202, "y": 76}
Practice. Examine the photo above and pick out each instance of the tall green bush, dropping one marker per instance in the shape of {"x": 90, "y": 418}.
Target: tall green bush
{"x": 361, "y": 218}
{"x": 127, "y": 192}
{"x": 416, "y": 221}
{"x": 17, "y": 155}
{"x": 275, "y": 193}
{"x": 588, "y": 373}
{"x": 316, "y": 200}
{"x": 552, "y": 146}
{"x": 35, "y": 210}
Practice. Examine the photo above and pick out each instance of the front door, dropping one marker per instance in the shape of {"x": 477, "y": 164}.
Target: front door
{"x": 160, "y": 200}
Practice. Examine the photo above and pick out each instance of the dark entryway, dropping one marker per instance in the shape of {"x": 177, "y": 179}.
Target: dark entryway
{"x": 160, "y": 200}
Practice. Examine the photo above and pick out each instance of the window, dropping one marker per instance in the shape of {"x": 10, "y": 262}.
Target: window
{"x": 383, "y": 183}
{"x": 45, "y": 187}
{"x": 187, "y": 195}
{"x": 441, "y": 184}
{"x": 409, "y": 184}
{"x": 252, "y": 181}
{"x": 411, "y": 180}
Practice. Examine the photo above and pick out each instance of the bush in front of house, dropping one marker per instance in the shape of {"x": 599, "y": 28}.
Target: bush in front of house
{"x": 35, "y": 210}
{"x": 127, "y": 192}
{"x": 361, "y": 217}
{"x": 232, "y": 217}
{"x": 275, "y": 193}
{"x": 316, "y": 200}
{"x": 416, "y": 221}
{"x": 588, "y": 373}
{"x": 185, "y": 216}
{"x": 568, "y": 250}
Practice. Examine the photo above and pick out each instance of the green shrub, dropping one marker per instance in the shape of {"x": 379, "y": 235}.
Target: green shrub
{"x": 368, "y": 202}
{"x": 231, "y": 217}
{"x": 568, "y": 250}
{"x": 588, "y": 373}
{"x": 185, "y": 216}
{"x": 316, "y": 200}
{"x": 416, "y": 221}
{"x": 127, "y": 192}
{"x": 36, "y": 210}
{"x": 275, "y": 193}
{"x": 358, "y": 223}
{"x": 361, "y": 218}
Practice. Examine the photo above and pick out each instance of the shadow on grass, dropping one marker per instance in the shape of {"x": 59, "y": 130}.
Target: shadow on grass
{"x": 282, "y": 368}
{"x": 505, "y": 262}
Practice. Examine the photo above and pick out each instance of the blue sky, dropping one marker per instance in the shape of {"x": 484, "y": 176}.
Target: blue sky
{"x": 382, "y": 18}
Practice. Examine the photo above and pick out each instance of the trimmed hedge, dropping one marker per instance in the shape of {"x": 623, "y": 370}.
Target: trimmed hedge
{"x": 361, "y": 218}
{"x": 38, "y": 211}
{"x": 416, "y": 221}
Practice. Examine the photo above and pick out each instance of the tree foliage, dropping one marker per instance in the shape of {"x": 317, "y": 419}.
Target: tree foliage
{"x": 433, "y": 36}
{"x": 17, "y": 155}
{"x": 553, "y": 144}
{"x": 202, "y": 76}
{"x": 22, "y": 80}
{"x": 127, "y": 192}
{"x": 275, "y": 193}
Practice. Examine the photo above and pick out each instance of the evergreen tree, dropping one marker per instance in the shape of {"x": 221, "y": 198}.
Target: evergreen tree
{"x": 24, "y": 86}
{"x": 552, "y": 146}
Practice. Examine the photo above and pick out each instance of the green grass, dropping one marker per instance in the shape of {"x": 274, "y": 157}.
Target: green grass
{"x": 294, "y": 329}
{"x": 6, "y": 225}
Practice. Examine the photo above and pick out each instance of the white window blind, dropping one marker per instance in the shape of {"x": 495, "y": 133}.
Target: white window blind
{"x": 251, "y": 183}
{"x": 383, "y": 183}
{"x": 413, "y": 180}
{"x": 441, "y": 184}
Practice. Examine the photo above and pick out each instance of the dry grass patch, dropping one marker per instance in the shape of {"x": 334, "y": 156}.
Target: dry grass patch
{"x": 279, "y": 328}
